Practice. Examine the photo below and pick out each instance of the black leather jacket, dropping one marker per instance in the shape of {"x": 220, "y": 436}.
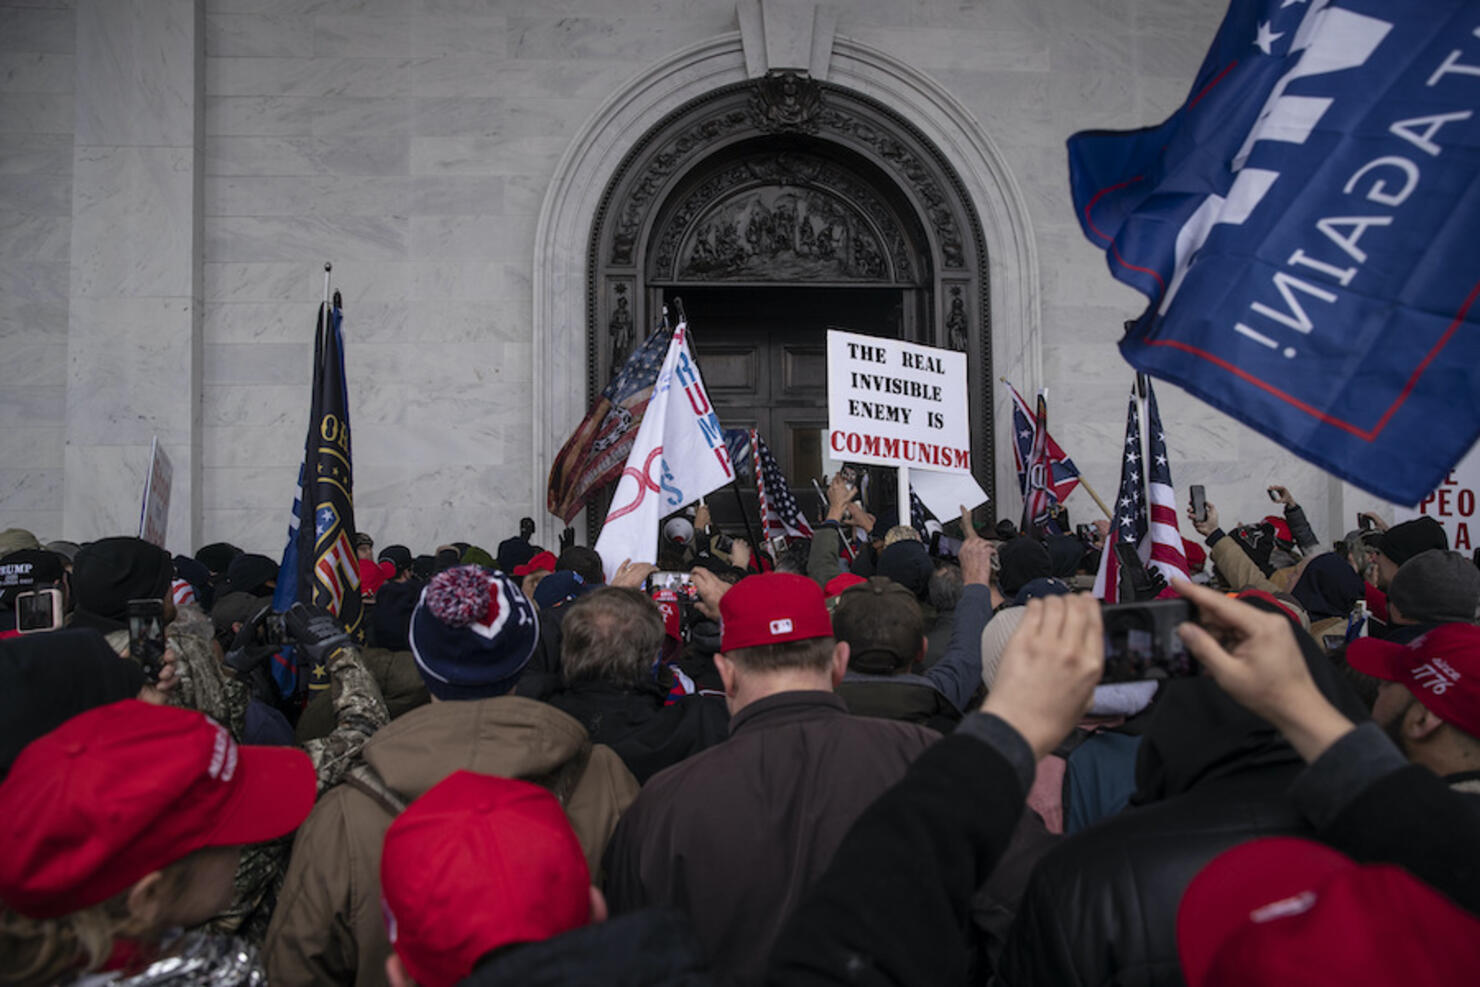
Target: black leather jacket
{"x": 1101, "y": 908}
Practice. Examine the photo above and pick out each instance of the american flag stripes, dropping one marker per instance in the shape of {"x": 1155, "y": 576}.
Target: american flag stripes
{"x": 597, "y": 451}
{"x": 1167, "y": 553}
{"x": 1129, "y": 524}
{"x": 1145, "y": 506}
{"x": 781, "y": 516}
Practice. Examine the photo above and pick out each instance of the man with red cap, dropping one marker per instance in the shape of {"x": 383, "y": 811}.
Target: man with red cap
{"x": 735, "y": 834}
{"x": 1429, "y": 700}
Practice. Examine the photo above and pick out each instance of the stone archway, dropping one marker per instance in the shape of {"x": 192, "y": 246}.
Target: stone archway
{"x": 604, "y": 203}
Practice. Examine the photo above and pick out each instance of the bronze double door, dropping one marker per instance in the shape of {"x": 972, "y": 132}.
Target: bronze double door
{"x": 762, "y": 352}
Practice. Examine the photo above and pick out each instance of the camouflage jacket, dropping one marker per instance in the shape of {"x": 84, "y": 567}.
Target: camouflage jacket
{"x": 205, "y": 686}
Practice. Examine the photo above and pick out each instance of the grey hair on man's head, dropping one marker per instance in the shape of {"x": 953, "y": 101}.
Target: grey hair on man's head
{"x": 612, "y": 635}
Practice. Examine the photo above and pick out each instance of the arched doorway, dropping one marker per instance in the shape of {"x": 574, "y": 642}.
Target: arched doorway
{"x": 777, "y": 208}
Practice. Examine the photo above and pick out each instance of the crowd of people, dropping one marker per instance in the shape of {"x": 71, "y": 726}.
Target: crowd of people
{"x": 881, "y": 755}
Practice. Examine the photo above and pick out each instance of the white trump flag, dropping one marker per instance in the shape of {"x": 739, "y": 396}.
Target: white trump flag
{"x": 679, "y": 456}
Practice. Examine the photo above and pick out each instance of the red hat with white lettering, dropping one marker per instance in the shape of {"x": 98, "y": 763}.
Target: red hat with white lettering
{"x": 123, "y": 790}
{"x": 1441, "y": 668}
{"x": 476, "y": 864}
{"x": 1282, "y": 911}
{"x": 772, "y": 609}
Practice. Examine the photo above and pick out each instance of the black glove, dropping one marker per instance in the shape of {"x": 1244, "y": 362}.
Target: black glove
{"x": 567, "y": 538}
{"x": 315, "y": 631}
{"x": 1155, "y": 583}
{"x": 252, "y": 644}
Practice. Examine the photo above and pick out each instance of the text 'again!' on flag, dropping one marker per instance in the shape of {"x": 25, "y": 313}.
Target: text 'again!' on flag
{"x": 1304, "y": 227}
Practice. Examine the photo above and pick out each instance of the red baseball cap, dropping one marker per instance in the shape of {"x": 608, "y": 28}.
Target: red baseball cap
{"x": 543, "y": 562}
{"x": 1440, "y": 667}
{"x": 840, "y": 582}
{"x": 772, "y": 609}
{"x": 1281, "y": 528}
{"x": 478, "y": 863}
{"x": 1284, "y": 911}
{"x": 120, "y": 791}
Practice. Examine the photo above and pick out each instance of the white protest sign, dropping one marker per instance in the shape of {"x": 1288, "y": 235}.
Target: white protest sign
{"x": 154, "y": 516}
{"x": 1453, "y": 504}
{"x": 896, "y": 403}
{"x": 946, "y": 493}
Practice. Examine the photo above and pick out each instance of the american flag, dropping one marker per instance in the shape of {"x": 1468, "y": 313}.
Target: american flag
{"x": 1062, "y": 475}
{"x": 781, "y": 516}
{"x": 596, "y": 452}
{"x": 1167, "y": 553}
{"x": 1138, "y": 515}
{"x": 920, "y": 516}
{"x": 737, "y": 441}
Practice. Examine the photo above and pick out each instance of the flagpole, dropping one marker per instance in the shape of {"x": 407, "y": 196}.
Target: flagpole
{"x": 734, "y": 472}
{"x": 324, "y": 309}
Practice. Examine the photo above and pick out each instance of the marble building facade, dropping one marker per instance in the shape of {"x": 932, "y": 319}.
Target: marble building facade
{"x": 174, "y": 173}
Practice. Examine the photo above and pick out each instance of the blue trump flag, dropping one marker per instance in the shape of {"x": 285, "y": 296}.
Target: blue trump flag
{"x": 319, "y": 565}
{"x": 1305, "y": 228}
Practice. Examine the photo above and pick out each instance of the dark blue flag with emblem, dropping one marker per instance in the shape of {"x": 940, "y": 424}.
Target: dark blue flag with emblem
{"x": 1304, "y": 227}
{"x": 325, "y": 571}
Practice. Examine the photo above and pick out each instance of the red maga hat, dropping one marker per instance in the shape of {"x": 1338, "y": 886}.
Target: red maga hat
{"x": 772, "y": 609}
{"x": 1284, "y": 911}
{"x": 121, "y": 791}
{"x": 475, "y": 864}
{"x": 1441, "y": 668}
{"x": 542, "y": 562}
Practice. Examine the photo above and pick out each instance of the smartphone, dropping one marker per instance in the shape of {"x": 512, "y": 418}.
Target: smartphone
{"x": 1134, "y": 580}
{"x": 1141, "y": 641}
{"x": 1364, "y": 522}
{"x": 681, "y": 584}
{"x": 146, "y": 636}
{"x": 38, "y": 610}
{"x": 1199, "y": 502}
{"x": 1273, "y": 494}
{"x": 1086, "y": 533}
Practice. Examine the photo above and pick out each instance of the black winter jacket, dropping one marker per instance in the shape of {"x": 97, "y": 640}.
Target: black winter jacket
{"x": 647, "y": 735}
{"x": 652, "y": 948}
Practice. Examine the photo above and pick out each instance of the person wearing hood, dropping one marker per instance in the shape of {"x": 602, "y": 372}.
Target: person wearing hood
{"x": 472, "y": 634}
{"x": 1328, "y": 589}
{"x": 1209, "y": 774}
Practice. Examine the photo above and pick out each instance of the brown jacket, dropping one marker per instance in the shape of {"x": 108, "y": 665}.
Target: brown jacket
{"x": 328, "y": 927}
{"x": 736, "y": 834}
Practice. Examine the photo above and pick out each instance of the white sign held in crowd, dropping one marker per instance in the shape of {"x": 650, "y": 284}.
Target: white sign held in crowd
{"x": 154, "y": 516}
{"x": 1453, "y": 504}
{"x": 896, "y": 403}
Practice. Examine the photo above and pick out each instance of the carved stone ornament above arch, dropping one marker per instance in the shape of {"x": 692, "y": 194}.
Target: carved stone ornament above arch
{"x": 602, "y": 155}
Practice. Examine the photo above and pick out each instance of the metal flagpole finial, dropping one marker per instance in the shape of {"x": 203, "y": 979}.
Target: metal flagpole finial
{"x": 328, "y": 266}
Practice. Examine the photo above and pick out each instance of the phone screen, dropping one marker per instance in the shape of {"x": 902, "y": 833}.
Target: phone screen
{"x": 681, "y": 584}
{"x": 146, "y": 635}
{"x": 1199, "y": 503}
{"x": 1141, "y": 641}
{"x": 38, "y": 610}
